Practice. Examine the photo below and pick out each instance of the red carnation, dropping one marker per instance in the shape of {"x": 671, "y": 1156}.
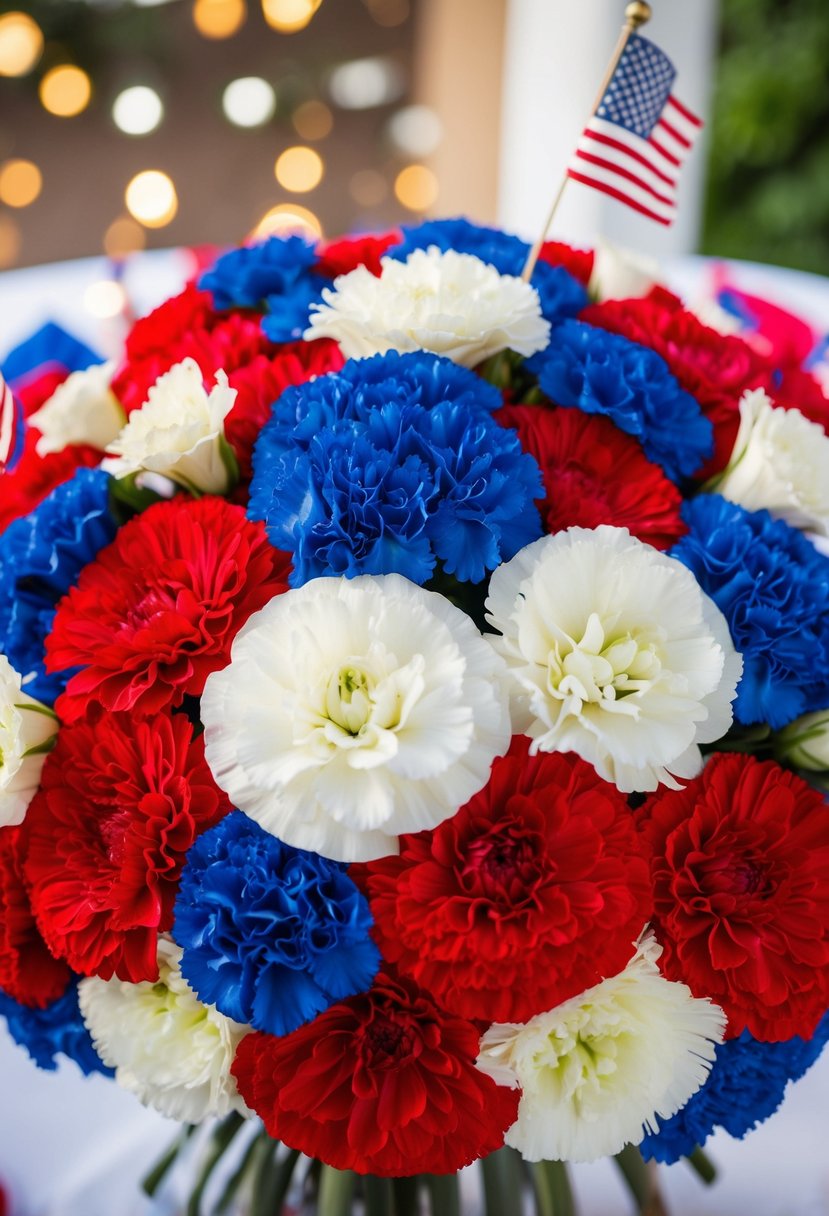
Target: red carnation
{"x": 595, "y": 474}
{"x": 740, "y": 866}
{"x": 28, "y": 972}
{"x": 120, "y": 804}
{"x": 537, "y": 889}
{"x": 579, "y": 262}
{"x": 384, "y": 1083}
{"x": 797, "y": 389}
{"x": 343, "y": 256}
{"x": 158, "y": 609}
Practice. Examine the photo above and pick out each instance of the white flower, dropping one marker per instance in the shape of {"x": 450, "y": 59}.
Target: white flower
{"x": 614, "y": 653}
{"x": 170, "y": 1050}
{"x": 780, "y": 462}
{"x": 352, "y": 711}
{"x": 621, "y": 274}
{"x": 450, "y": 303}
{"x": 27, "y": 729}
{"x": 179, "y": 433}
{"x": 597, "y": 1071}
{"x": 81, "y": 410}
{"x": 805, "y": 742}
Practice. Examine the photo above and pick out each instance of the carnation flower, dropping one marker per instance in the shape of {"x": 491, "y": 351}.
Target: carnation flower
{"x": 28, "y": 971}
{"x": 805, "y": 742}
{"x": 740, "y": 867}
{"x": 83, "y": 409}
{"x": 614, "y": 653}
{"x": 530, "y": 894}
{"x": 780, "y": 462}
{"x": 345, "y": 254}
{"x": 383, "y": 1084}
{"x": 179, "y": 433}
{"x": 56, "y": 1030}
{"x": 601, "y": 373}
{"x": 390, "y": 466}
{"x": 166, "y": 1047}
{"x": 158, "y": 609}
{"x": 447, "y": 302}
{"x": 598, "y": 1071}
{"x": 121, "y": 803}
{"x": 772, "y": 586}
{"x": 621, "y": 274}
{"x": 596, "y": 474}
{"x": 744, "y": 1088}
{"x": 276, "y": 274}
{"x": 27, "y": 729}
{"x": 353, "y": 711}
{"x": 271, "y": 935}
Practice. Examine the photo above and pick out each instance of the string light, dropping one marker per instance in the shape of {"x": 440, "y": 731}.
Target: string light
{"x": 249, "y": 101}
{"x": 287, "y": 218}
{"x": 20, "y": 183}
{"x": 137, "y": 110}
{"x": 299, "y": 169}
{"x": 219, "y": 18}
{"x": 21, "y": 44}
{"x": 9, "y": 241}
{"x": 362, "y": 84}
{"x": 312, "y": 120}
{"x": 151, "y": 198}
{"x": 416, "y": 187}
{"x": 123, "y": 236}
{"x": 65, "y": 90}
{"x": 289, "y": 16}
{"x": 106, "y": 298}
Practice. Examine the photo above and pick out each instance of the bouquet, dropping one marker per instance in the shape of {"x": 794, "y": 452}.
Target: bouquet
{"x": 413, "y": 698}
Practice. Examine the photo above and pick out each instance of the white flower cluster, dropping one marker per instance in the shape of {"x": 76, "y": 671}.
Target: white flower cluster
{"x": 81, "y": 410}
{"x": 27, "y": 731}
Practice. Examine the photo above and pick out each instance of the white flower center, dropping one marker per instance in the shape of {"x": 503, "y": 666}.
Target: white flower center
{"x": 603, "y": 668}
{"x": 578, "y": 1064}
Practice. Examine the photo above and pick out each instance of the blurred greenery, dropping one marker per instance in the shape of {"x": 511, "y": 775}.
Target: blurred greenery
{"x": 768, "y": 189}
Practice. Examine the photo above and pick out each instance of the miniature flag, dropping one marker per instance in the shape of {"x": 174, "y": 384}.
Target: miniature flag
{"x": 12, "y": 428}
{"x": 634, "y": 145}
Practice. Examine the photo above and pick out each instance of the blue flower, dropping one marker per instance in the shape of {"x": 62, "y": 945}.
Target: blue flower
{"x": 389, "y": 466}
{"x": 772, "y": 586}
{"x": 59, "y": 1028}
{"x": 41, "y": 556}
{"x": 271, "y": 935}
{"x": 560, "y": 293}
{"x": 744, "y": 1088}
{"x": 604, "y": 373}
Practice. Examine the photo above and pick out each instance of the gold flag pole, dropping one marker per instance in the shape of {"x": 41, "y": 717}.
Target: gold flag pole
{"x": 636, "y": 14}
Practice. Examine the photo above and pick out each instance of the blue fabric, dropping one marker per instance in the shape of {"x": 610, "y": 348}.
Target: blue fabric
{"x": 271, "y": 935}
{"x": 57, "y": 1029}
{"x": 389, "y": 466}
{"x": 50, "y": 345}
{"x": 772, "y": 587}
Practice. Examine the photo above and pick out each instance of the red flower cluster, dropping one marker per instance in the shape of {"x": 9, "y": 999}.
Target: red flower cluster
{"x": 740, "y": 867}
{"x": 120, "y": 804}
{"x": 596, "y": 474}
{"x": 158, "y": 609}
{"x": 384, "y": 1083}
{"x": 28, "y": 972}
{"x": 341, "y": 257}
{"x": 537, "y": 889}
{"x": 579, "y": 262}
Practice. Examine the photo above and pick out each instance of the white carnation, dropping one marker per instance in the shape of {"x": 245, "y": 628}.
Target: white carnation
{"x": 621, "y": 274}
{"x": 27, "y": 730}
{"x": 805, "y": 742}
{"x": 81, "y": 410}
{"x": 179, "y": 433}
{"x": 598, "y": 1071}
{"x": 170, "y": 1050}
{"x": 352, "y": 711}
{"x": 780, "y": 462}
{"x": 450, "y": 303}
{"x": 614, "y": 653}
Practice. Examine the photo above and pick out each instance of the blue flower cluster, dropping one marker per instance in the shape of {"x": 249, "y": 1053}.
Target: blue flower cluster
{"x": 41, "y": 556}
{"x": 603, "y": 373}
{"x": 271, "y": 935}
{"x": 277, "y": 271}
{"x": 772, "y": 587}
{"x": 57, "y": 1029}
{"x": 389, "y": 466}
{"x": 561, "y": 294}
{"x": 744, "y": 1088}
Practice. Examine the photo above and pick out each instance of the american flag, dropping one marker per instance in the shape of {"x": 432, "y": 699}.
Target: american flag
{"x": 11, "y": 428}
{"x": 634, "y": 145}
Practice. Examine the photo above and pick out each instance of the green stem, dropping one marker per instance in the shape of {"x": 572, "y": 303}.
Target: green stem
{"x": 702, "y": 1165}
{"x": 377, "y": 1192}
{"x": 153, "y": 1180}
{"x": 262, "y": 1170}
{"x": 554, "y": 1195}
{"x": 503, "y": 1183}
{"x": 641, "y": 1181}
{"x": 336, "y": 1192}
{"x": 238, "y": 1176}
{"x": 219, "y": 1141}
{"x": 406, "y": 1196}
{"x": 276, "y": 1181}
{"x": 444, "y": 1194}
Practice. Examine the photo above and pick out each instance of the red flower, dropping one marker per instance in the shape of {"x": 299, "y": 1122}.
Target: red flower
{"x": 740, "y": 866}
{"x": 595, "y": 474}
{"x": 28, "y": 972}
{"x": 797, "y": 389}
{"x": 384, "y": 1083}
{"x": 343, "y": 256}
{"x": 537, "y": 889}
{"x": 120, "y": 804}
{"x": 158, "y": 609}
{"x": 579, "y": 262}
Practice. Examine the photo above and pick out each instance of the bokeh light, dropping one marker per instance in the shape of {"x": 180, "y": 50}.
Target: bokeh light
{"x": 362, "y": 84}
{"x": 289, "y": 16}
{"x": 21, "y": 44}
{"x": 312, "y": 120}
{"x": 368, "y": 187}
{"x": 137, "y": 110}
{"x": 249, "y": 101}
{"x": 20, "y": 182}
{"x": 124, "y": 236}
{"x": 65, "y": 90}
{"x": 151, "y": 198}
{"x": 299, "y": 169}
{"x": 388, "y": 12}
{"x": 10, "y": 241}
{"x": 415, "y": 130}
{"x": 287, "y": 218}
{"x": 416, "y": 187}
{"x": 219, "y": 18}
{"x": 106, "y": 298}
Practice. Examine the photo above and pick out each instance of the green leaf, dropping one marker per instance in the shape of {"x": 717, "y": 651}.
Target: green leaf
{"x": 219, "y": 1142}
{"x": 153, "y": 1180}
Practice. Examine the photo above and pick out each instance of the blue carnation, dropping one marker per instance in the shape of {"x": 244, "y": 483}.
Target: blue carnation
{"x": 41, "y": 556}
{"x": 772, "y": 586}
{"x": 57, "y": 1029}
{"x": 271, "y": 935}
{"x": 603, "y": 373}
{"x": 389, "y": 466}
{"x": 744, "y": 1088}
{"x": 561, "y": 294}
